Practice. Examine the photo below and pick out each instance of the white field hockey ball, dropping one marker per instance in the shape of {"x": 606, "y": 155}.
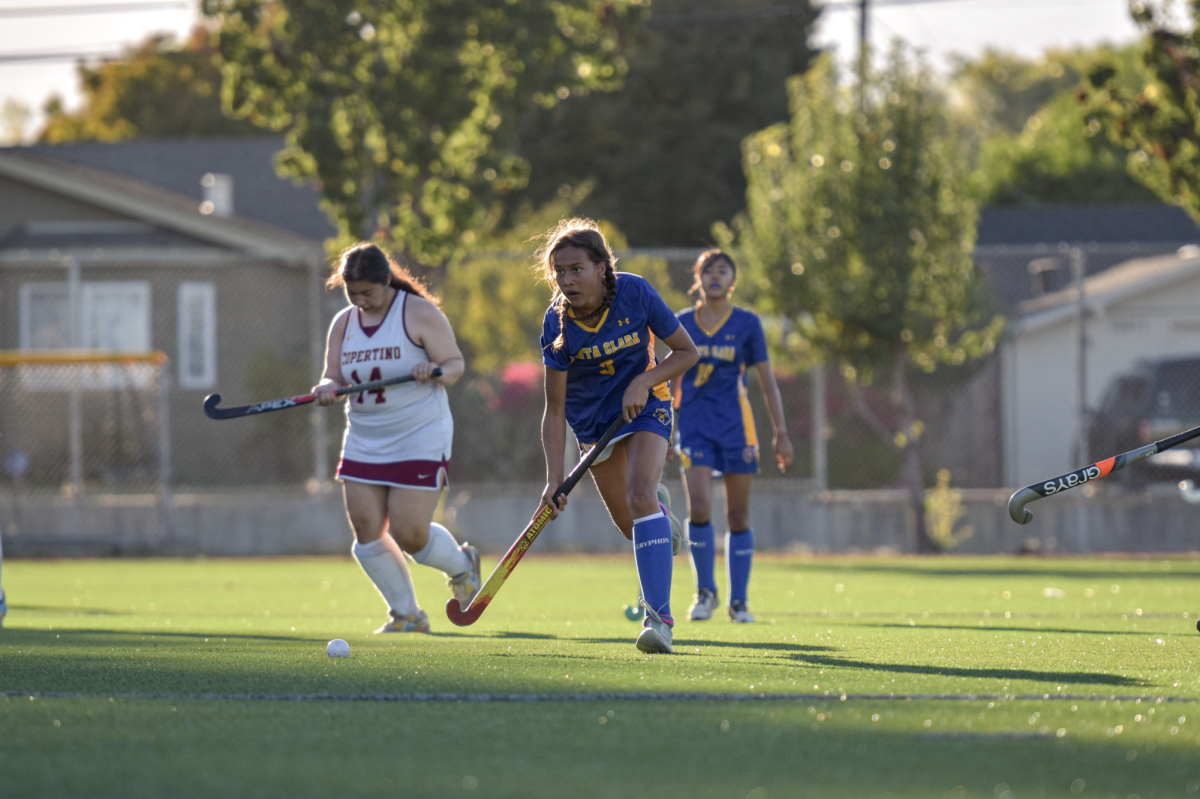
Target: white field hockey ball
{"x": 337, "y": 648}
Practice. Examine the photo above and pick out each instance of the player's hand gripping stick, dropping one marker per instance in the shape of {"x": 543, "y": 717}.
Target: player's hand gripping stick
{"x": 213, "y": 412}
{"x": 1018, "y": 501}
{"x": 517, "y": 551}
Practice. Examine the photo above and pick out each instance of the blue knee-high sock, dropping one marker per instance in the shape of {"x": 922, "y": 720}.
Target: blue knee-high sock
{"x": 739, "y": 552}
{"x": 703, "y": 554}
{"x": 652, "y": 553}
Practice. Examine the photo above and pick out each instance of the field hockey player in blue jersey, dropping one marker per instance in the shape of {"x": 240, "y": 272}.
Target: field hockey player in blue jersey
{"x": 598, "y": 348}
{"x": 716, "y": 429}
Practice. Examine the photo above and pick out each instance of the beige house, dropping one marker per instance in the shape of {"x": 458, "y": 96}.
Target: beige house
{"x": 1143, "y": 308}
{"x": 94, "y": 260}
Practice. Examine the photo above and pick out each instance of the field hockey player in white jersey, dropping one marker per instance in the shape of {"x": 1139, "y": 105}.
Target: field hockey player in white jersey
{"x": 396, "y": 451}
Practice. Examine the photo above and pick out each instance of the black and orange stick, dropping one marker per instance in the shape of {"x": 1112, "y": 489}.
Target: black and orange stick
{"x": 1018, "y": 501}
{"x": 213, "y": 412}
{"x": 495, "y": 582}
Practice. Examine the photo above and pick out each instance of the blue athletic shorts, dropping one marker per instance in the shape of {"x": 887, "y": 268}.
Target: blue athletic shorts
{"x": 655, "y": 417}
{"x": 728, "y": 457}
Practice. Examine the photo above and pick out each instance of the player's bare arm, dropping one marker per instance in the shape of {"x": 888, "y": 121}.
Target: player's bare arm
{"x": 325, "y": 392}
{"x": 784, "y": 454}
{"x": 554, "y": 437}
{"x": 683, "y": 356}
{"x": 431, "y": 329}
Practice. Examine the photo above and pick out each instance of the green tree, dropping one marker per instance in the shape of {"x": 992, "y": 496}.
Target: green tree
{"x": 858, "y": 231}
{"x": 1151, "y": 107}
{"x": 1037, "y": 145}
{"x": 158, "y": 88}
{"x": 664, "y": 153}
{"x": 404, "y": 110}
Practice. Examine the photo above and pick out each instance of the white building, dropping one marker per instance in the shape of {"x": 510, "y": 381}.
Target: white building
{"x": 1144, "y": 308}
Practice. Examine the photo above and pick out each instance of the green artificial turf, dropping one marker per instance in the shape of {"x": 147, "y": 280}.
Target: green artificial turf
{"x": 961, "y": 677}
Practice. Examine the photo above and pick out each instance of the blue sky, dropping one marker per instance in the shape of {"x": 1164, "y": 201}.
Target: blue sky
{"x": 940, "y": 27}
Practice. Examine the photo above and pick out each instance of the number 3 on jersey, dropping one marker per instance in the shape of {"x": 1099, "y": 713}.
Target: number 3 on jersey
{"x": 376, "y": 374}
{"x": 703, "y": 372}
{"x": 607, "y": 368}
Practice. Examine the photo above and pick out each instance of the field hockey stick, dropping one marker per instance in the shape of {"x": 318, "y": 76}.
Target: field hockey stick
{"x": 213, "y": 412}
{"x": 1018, "y": 501}
{"x": 517, "y": 551}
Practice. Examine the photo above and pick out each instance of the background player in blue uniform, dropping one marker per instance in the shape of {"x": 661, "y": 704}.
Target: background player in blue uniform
{"x": 598, "y": 348}
{"x": 716, "y": 429}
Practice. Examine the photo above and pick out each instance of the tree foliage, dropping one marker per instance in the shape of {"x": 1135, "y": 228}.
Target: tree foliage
{"x": 1037, "y": 145}
{"x": 158, "y": 88}
{"x": 858, "y": 230}
{"x": 405, "y": 110}
{"x": 497, "y": 298}
{"x": 1151, "y": 108}
{"x": 664, "y": 153}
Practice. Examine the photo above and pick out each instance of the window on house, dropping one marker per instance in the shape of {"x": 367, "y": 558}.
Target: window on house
{"x": 114, "y": 317}
{"x": 197, "y": 335}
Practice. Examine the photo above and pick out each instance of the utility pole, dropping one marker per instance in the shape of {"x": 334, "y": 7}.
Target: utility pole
{"x": 863, "y": 43}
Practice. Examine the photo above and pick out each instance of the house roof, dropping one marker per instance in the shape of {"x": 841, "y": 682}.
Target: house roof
{"x": 1125, "y": 281}
{"x": 1098, "y": 224}
{"x": 177, "y": 165}
{"x": 177, "y": 215}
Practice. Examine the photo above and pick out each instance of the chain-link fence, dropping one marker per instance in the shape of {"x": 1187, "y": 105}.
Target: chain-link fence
{"x": 254, "y": 329}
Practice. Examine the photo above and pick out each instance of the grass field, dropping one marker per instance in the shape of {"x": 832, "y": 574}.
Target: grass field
{"x": 988, "y": 677}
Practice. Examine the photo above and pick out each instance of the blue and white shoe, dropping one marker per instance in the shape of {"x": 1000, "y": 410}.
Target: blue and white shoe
{"x": 655, "y": 638}
{"x": 466, "y": 585}
{"x": 703, "y": 605}
{"x": 678, "y": 536}
{"x": 739, "y": 613}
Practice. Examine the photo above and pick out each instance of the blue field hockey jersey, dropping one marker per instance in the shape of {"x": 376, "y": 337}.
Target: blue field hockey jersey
{"x": 711, "y": 396}
{"x": 601, "y": 356}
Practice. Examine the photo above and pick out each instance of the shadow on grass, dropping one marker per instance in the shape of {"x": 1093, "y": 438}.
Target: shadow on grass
{"x": 69, "y": 610}
{"x": 998, "y": 628}
{"x": 1057, "y": 677}
{"x": 92, "y": 637}
{"x": 943, "y": 569}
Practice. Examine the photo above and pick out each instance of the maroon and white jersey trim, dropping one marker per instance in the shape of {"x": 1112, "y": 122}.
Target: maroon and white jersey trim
{"x": 402, "y": 474}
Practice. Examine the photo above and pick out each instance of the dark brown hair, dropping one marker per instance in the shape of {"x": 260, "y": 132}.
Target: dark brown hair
{"x": 707, "y": 257}
{"x": 584, "y": 234}
{"x": 367, "y": 261}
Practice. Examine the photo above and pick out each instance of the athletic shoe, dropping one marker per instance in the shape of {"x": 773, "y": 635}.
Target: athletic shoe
{"x": 738, "y": 612}
{"x": 678, "y": 536}
{"x": 416, "y": 623}
{"x": 655, "y": 638}
{"x": 703, "y": 605}
{"x": 466, "y": 585}
{"x": 3, "y": 608}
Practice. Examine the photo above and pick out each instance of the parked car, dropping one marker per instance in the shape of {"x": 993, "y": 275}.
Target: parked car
{"x": 1155, "y": 399}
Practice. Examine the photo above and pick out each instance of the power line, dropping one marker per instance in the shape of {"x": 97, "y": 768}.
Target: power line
{"x": 97, "y": 8}
{"x": 65, "y": 55}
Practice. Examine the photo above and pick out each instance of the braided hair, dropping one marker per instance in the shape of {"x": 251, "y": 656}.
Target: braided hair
{"x": 706, "y": 258}
{"x": 584, "y": 234}
{"x": 366, "y": 261}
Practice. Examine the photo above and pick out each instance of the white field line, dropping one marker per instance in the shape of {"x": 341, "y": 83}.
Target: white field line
{"x": 662, "y": 696}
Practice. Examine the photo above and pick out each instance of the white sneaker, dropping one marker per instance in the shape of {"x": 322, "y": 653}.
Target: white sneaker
{"x": 739, "y": 613}
{"x": 466, "y": 585}
{"x": 678, "y": 536}
{"x": 703, "y": 605}
{"x": 655, "y": 638}
{"x": 416, "y": 623}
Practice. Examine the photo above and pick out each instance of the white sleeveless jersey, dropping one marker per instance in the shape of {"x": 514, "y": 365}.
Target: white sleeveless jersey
{"x": 405, "y": 422}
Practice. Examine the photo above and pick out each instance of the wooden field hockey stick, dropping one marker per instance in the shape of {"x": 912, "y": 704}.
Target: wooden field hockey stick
{"x": 1018, "y": 501}
{"x": 213, "y": 412}
{"x": 517, "y": 551}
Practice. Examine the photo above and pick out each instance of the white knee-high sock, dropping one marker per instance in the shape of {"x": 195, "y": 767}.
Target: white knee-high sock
{"x": 384, "y": 563}
{"x": 442, "y": 552}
